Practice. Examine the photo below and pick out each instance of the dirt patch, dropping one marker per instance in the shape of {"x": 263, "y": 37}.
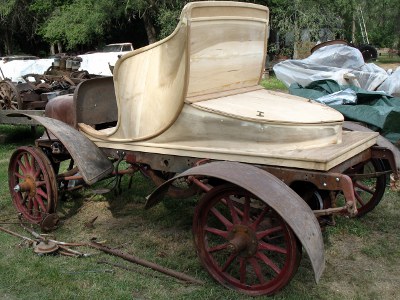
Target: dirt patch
{"x": 388, "y": 66}
{"x": 349, "y": 271}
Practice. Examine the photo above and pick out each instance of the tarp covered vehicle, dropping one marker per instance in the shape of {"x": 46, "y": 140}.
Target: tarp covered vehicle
{"x": 189, "y": 113}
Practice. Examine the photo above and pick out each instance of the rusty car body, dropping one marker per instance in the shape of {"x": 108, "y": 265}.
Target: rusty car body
{"x": 189, "y": 113}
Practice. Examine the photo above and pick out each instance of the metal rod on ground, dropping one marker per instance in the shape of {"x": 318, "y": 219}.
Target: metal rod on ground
{"x": 16, "y": 234}
{"x": 145, "y": 263}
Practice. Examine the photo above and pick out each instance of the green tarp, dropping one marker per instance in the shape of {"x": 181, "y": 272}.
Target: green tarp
{"x": 377, "y": 109}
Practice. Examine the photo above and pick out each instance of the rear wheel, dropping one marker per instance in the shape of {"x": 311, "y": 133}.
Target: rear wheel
{"x": 369, "y": 183}
{"x": 9, "y": 96}
{"x": 32, "y": 183}
{"x": 243, "y": 243}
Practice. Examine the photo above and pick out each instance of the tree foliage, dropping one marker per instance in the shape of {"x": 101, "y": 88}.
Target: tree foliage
{"x": 15, "y": 21}
{"x": 78, "y": 23}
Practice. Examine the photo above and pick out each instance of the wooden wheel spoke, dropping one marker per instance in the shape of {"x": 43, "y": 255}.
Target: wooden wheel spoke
{"x": 264, "y": 233}
{"x": 242, "y": 270}
{"x": 39, "y": 200}
{"x": 216, "y": 231}
{"x": 16, "y": 174}
{"x": 40, "y": 183}
{"x": 364, "y": 187}
{"x": 257, "y": 269}
{"x": 37, "y": 173}
{"x": 268, "y": 262}
{"x": 42, "y": 193}
{"x": 36, "y": 210}
{"x": 260, "y": 217}
{"x": 21, "y": 166}
{"x": 217, "y": 248}
{"x": 24, "y": 198}
{"x": 229, "y": 261}
{"x": 30, "y": 204}
{"x": 359, "y": 199}
{"x": 221, "y": 218}
{"x": 233, "y": 210}
{"x": 246, "y": 210}
{"x": 266, "y": 246}
{"x": 28, "y": 164}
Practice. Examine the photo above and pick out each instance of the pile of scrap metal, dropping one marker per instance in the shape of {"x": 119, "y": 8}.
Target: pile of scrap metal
{"x": 37, "y": 89}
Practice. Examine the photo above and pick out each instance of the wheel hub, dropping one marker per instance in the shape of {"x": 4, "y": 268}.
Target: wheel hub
{"x": 242, "y": 240}
{"x": 28, "y": 185}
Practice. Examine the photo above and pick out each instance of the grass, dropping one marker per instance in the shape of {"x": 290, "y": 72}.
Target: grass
{"x": 388, "y": 60}
{"x": 273, "y": 83}
{"x": 362, "y": 255}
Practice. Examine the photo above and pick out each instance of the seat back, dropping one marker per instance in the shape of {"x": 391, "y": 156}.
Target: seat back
{"x": 227, "y": 46}
{"x": 95, "y": 103}
{"x": 217, "y": 46}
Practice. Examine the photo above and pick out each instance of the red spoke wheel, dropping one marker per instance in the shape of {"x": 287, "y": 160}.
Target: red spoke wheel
{"x": 369, "y": 183}
{"x": 243, "y": 243}
{"x": 9, "y": 96}
{"x": 32, "y": 183}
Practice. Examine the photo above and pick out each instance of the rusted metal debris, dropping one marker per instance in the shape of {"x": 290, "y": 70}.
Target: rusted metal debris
{"x": 50, "y": 222}
{"x": 33, "y": 94}
{"x": 43, "y": 245}
{"x": 145, "y": 263}
{"x": 90, "y": 223}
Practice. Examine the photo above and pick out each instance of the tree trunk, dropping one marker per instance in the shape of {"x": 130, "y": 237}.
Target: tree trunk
{"x": 7, "y": 43}
{"x": 59, "y": 47}
{"x": 296, "y": 39}
{"x": 52, "y": 49}
{"x": 353, "y": 29}
{"x": 150, "y": 30}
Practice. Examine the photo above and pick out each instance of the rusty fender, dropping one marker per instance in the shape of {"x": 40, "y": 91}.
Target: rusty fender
{"x": 296, "y": 213}
{"x": 92, "y": 163}
{"x": 381, "y": 141}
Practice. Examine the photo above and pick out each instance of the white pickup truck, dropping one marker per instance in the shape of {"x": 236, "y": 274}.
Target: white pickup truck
{"x": 102, "y": 62}
{"x": 118, "y": 47}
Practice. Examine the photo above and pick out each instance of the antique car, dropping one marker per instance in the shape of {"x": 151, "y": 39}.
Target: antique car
{"x": 189, "y": 113}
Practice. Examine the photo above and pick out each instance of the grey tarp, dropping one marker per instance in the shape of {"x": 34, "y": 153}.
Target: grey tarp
{"x": 377, "y": 109}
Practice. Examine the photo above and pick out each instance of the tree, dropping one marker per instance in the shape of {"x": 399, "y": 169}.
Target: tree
{"x": 80, "y": 22}
{"x": 16, "y": 20}
{"x": 159, "y": 16}
{"x": 304, "y": 20}
{"x": 382, "y": 22}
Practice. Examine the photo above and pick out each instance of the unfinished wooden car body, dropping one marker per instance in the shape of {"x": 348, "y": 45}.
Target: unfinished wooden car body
{"x": 190, "y": 109}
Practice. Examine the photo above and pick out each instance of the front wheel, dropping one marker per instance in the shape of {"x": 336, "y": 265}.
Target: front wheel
{"x": 243, "y": 243}
{"x": 32, "y": 183}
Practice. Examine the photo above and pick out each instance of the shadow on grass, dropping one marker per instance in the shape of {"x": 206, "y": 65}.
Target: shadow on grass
{"x": 20, "y": 134}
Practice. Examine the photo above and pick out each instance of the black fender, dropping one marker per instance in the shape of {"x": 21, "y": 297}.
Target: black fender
{"x": 92, "y": 163}
{"x": 296, "y": 213}
{"x": 381, "y": 141}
